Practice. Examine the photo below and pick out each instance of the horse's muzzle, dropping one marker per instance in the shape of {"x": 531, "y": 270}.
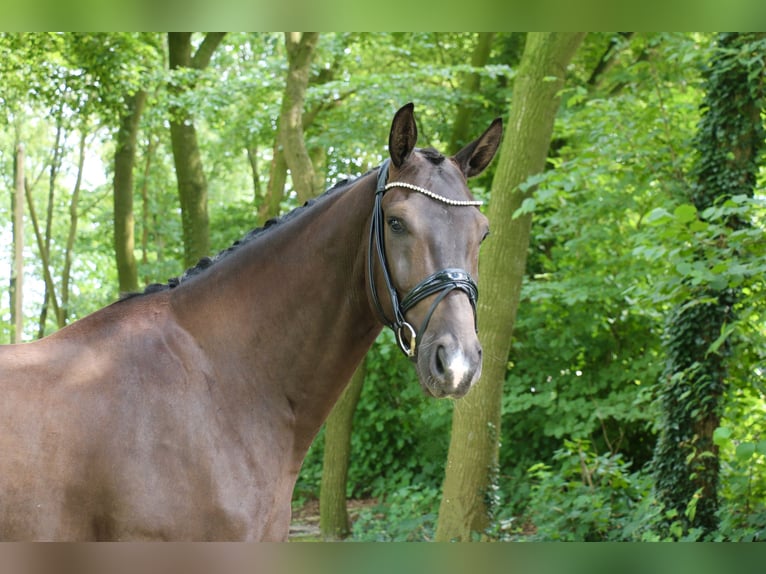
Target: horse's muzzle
{"x": 448, "y": 368}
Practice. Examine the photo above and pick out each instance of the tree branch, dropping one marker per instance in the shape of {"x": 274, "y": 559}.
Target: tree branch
{"x": 204, "y": 53}
{"x": 608, "y": 58}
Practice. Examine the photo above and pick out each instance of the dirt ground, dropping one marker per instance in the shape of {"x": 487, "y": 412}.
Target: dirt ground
{"x": 305, "y": 522}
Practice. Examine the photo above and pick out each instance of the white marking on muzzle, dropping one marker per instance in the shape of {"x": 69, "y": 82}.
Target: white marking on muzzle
{"x": 458, "y": 367}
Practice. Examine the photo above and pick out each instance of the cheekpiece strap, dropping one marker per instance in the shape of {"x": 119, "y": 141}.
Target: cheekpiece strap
{"x": 382, "y": 177}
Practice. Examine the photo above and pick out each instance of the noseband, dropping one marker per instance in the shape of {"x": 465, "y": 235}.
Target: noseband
{"x": 442, "y": 282}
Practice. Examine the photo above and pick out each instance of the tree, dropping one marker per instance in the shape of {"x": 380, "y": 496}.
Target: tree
{"x": 124, "y": 220}
{"x": 471, "y": 84}
{"x": 300, "y": 51}
{"x": 290, "y": 150}
{"x": 17, "y": 266}
{"x": 473, "y": 452}
{"x": 44, "y": 240}
{"x": 728, "y": 143}
{"x": 192, "y": 185}
{"x": 74, "y": 205}
{"x": 333, "y": 514}
{"x": 118, "y": 66}
{"x": 58, "y": 297}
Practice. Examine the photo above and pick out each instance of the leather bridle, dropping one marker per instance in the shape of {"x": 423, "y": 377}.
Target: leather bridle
{"x": 442, "y": 282}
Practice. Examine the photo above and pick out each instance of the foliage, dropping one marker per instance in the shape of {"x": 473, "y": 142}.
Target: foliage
{"x": 582, "y": 495}
{"x": 728, "y": 142}
{"x": 620, "y": 238}
{"x": 743, "y": 477}
{"x": 586, "y": 496}
{"x": 400, "y": 436}
{"x": 590, "y": 325}
{"x": 408, "y": 514}
{"x": 586, "y": 351}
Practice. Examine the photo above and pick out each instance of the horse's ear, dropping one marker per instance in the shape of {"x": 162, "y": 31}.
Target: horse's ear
{"x": 478, "y": 154}
{"x": 404, "y": 134}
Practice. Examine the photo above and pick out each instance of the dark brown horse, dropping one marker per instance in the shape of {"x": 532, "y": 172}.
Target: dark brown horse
{"x": 185, "y": 412}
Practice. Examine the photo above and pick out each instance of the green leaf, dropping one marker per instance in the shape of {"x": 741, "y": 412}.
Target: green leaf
{"x": 527, "y": 206}
{"x": 725, "y": 332}
{"x": 658, "y": 216}
{"x": 718, "y": 283}
{"x": 745, "y": 450}
{"x": 685, "y": 213}
{"x": 698, "y": 226}
{"x": 532, "y": 181}
{"x": 722, "y": 436}
{"x": 684, "y": 268}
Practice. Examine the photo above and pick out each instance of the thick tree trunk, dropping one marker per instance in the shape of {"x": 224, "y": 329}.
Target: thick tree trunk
{"x": 333, "y": 514}
{"x": 124, "y": 220}
{"x": 192, "y": 185}
{"x": 192, "y": 192}
{"x": 473, "y": 452}
{"x": 275, "y": 189}
{"x": 300, "y": 52}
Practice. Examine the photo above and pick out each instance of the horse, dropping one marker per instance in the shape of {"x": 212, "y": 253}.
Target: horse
{"x": 185, "y": 412}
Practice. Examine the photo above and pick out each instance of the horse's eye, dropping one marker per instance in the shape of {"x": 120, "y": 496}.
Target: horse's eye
{"x": 396, "y": 225}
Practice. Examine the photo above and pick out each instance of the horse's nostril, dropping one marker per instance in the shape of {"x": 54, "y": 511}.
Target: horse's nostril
{"x": 440, "y": 363}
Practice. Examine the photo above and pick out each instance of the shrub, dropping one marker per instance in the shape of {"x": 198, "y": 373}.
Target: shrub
{"x": 406, "y": 515}
{"x": 585, "y": 497}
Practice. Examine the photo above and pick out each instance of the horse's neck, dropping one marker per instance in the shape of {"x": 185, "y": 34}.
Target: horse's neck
{"x": 290, "y": 312}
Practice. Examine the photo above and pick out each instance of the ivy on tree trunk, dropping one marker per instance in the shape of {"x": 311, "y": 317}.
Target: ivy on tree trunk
{"x": 728, "y": 142}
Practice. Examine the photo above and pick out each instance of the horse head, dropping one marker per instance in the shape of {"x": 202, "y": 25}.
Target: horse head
{"x": 425, "y": 237}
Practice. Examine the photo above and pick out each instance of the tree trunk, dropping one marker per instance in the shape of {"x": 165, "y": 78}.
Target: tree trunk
{"x": 17, "y": 265}
{"x": 729, "y": 138}
{"x": 319, "y": 161}
{"x": 333, "y": 514}
{"x": 124, "y": 221}
{"x": 275, "y": 189}
{"x": 252, "y": 159}
{"x": 63, "y": 317}
{"x": 192, "y": 185}
{"x": 49, "y": 298}
{"x": 145, "y": 210}
{"x": 471, "y": 84}
{"x": 473, "y": 453}
{"x": 300, "y": 52}
{"x": 50, "y": 288}
{"x": 609, "y": 57}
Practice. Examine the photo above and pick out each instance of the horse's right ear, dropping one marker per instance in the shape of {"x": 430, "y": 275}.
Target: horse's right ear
{"x": 477, "y": 155}
{"x": 403, "y": 136}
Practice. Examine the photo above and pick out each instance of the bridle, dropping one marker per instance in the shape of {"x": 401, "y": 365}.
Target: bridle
{"x": 442, "y": 282}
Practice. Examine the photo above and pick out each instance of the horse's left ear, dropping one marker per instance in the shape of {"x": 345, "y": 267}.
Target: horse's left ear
{"x": 478, "y": 154}
{"x": 403, "y": 135}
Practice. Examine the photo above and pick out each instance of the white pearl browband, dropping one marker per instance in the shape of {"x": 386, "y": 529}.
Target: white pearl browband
{"x": 432, "y": 195}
